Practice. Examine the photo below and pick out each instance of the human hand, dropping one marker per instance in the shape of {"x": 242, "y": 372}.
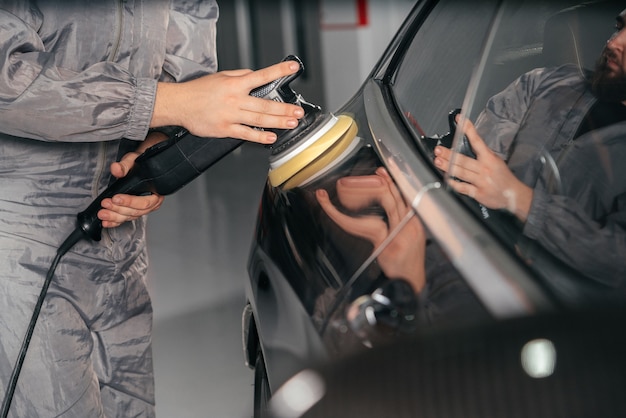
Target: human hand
{"x": 487, "y": 179}
{"x": 219, "y": 105}
{"x": 122, "y": 207}
{"x": 403, "y": 257}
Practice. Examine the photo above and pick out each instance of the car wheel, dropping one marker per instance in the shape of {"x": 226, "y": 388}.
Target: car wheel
{"x": 262, "y": 392}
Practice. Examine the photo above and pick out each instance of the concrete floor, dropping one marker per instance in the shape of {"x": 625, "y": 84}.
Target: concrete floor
{"x": 199, "y": 242}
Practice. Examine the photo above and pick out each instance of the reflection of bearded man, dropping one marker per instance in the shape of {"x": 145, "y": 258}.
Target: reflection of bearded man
{"x": 607, "y": 84}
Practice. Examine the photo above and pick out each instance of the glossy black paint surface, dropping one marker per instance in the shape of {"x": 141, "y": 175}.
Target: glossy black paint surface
{"x": 315, "y": 276}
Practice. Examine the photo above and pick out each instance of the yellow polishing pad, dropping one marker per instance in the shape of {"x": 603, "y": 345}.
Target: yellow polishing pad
{"x": 337, "y": 138}
{"x": 345, "y": 145}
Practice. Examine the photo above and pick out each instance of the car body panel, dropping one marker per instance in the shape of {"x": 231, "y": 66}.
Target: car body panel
{"x": 314, "y": 281}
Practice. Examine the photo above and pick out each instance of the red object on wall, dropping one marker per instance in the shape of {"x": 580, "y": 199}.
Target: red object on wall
{"x": 362, "y": 12}
{"x": 351, "y": 16}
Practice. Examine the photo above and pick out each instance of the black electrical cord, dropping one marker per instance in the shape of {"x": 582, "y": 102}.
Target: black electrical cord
{"x": 72, "y": 239}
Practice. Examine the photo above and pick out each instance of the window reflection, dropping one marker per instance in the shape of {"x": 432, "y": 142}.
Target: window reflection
{"x": 548, "y": 132}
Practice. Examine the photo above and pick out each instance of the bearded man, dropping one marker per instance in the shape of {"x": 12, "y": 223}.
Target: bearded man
{"x": 551, "y": 150}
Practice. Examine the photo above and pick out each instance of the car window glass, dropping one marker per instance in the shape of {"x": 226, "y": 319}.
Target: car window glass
{"x": 437, "y": 65}
{"x": 436, "y": 77}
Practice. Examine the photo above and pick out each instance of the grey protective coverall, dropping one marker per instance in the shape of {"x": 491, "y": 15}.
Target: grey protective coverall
{"x": 582, "y": 217}
{"x": 77, "y": 76}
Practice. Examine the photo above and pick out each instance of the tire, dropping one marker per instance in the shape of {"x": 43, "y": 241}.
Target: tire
{"x": 262, "y": 391}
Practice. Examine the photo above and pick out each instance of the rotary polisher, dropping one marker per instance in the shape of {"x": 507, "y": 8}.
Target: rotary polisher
{"x": 168, "y": 166}
{"x": 298, "y": 156}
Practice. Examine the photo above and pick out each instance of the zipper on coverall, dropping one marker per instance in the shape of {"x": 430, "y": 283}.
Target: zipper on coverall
{"x": 102, "y": 152}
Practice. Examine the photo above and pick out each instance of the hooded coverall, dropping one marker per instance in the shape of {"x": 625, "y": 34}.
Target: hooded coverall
{"x": 77, "y": 85}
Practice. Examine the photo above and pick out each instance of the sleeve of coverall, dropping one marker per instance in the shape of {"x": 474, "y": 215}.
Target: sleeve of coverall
{"x": 191, "y": 40}
{"x": 191, "y": 49}
{"x": 505, "y": 112}
{"x": 595, "y": 249}
{"x": 35, "y": 94}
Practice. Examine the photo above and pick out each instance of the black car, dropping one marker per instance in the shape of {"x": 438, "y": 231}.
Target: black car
{"x": 365, "y": 242}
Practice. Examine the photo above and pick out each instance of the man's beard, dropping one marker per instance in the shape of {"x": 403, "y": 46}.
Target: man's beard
{"x": 606, "y": 86}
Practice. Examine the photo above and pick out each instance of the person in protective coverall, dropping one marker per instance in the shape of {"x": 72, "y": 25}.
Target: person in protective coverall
{"x": 85, "y": 86}
{"x": 578, "y": 121}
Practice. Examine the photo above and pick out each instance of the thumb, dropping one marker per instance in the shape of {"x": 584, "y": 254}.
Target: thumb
{"x": 121, "y": 168}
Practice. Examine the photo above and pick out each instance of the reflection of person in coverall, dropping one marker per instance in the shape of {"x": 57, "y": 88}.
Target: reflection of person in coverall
{"x": 75, "y": 78}
{"x": 584, "y": 223}
{"x": 579, "y": 121}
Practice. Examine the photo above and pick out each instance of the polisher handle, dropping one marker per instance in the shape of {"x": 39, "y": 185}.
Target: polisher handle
{"x": 162, "y": 169}
{"x": 279, "y": 90}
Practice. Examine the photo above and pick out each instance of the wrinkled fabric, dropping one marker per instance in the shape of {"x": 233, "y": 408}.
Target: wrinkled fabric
{"x": 578, "y": 211}
{"x": 76, "y": 77}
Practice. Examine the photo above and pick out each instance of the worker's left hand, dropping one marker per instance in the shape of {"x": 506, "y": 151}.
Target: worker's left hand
{"x": 123, "y": 207}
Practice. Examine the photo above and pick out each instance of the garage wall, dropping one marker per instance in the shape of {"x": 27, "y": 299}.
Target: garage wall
{"x": 339, "y": 41}
{"x": 354, "y": 33}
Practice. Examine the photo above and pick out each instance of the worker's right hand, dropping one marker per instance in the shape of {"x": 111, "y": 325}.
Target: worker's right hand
{"x": 219, "y": 105}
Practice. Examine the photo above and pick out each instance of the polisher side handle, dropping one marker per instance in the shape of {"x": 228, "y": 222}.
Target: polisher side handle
{"x": 162, "y": 169}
